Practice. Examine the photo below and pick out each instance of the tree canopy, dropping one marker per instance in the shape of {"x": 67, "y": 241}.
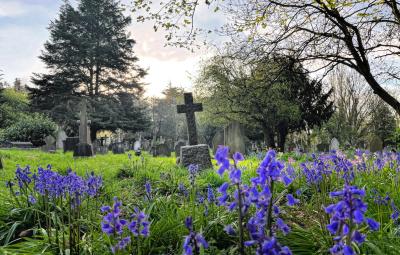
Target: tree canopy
{"x": 274, "y": 95}
{"x": 90, "y": 54}
{"x": 321, "y": 33}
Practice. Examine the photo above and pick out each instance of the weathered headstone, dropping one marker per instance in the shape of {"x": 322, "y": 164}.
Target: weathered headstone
{"x": 50, "y": 144}
{"x": 118, "y": 148}
{"x": 375, "y": 144}
{"x": 194, "y": 153}
{"x": 21, "y": 145}
{"x": 218, "y": 140}
{"x": 137, "y": 145}
{"x": 146, "y": 144}
{"x": 334, "y": 146}
{"x": 197, "y": 155}
{"x": 84, "y": 147}
{"x": 323, "y": 147}
{"x": 60, "y": 137}
{"x": 235, "y": 138}
{"x": 178, "y": 146}
{"x": 161, "y": 150}
{"x": 70, "y": 143}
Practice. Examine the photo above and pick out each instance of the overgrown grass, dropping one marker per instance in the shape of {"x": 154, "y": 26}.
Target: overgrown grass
{"x": 125, "y": 178}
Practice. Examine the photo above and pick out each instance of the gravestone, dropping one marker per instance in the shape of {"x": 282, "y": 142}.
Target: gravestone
{"x": 178, "y": 146}
{"x": 60, "y": 138}
{"x": 189, "y": 108}
{"x": 84, "y": 147}
{"x": 323, "y": 147}
{"x": 117, "y": 148}
{"x": 146, "y": 144}
{"x": 218, "y": 140}
{"x": 334, "y": 146}
{"x": 196, "y": 154}
{"x": 235, "y": 138}
{"x": 21, "y": 145}
{"x": 193, "y": 153}
{"x": 70, "y": 143}
{"x": 50, "y": 144}
{"x": 375, "y": 144}
{"x": 161, "y": 150}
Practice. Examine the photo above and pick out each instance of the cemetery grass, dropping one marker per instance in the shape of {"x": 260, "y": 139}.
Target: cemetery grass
{"x": 168, "y": 208}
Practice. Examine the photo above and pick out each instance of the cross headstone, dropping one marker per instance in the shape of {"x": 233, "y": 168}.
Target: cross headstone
{"x": 189, "y": 108}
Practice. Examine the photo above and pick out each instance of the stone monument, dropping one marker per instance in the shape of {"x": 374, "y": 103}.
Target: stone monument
{"x": 334, "y": 146}
{"x": 375, "y": 144}
{"x": 194, "y": 153}
{"x": 84, "y": 147}
{"x": 235, "y": 138}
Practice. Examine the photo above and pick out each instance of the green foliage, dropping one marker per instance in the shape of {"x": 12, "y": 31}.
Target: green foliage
{"x": 13, "y": 106}
{"x": 33, "y": 128}
{"x": 90, "y": 54}
{"x": 274, "y": 95}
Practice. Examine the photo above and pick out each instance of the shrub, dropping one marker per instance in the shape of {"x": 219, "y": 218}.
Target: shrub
{"x": 33, "y": 128}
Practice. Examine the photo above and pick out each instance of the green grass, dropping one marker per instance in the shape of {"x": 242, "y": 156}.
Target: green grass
{"x": 125, "y": 178}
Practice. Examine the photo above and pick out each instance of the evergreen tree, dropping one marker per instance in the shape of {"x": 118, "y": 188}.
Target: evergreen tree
{"x": 90, "y": 54}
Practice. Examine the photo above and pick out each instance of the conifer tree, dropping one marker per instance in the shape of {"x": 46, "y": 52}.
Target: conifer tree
{"x": 90, "y": 54}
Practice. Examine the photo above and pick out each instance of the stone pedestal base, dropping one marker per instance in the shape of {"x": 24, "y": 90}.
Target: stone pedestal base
{"x": 83, "y": 150}
{"x": 197, "y": 155}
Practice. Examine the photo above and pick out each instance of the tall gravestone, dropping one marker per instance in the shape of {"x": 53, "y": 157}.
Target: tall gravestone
{"x": 218, "y": 140}
{"x": 194, "y": 153}
{"x": 60, "y": 138}
{"x": 84, "y": 147}
{"x": 235, "y": 138}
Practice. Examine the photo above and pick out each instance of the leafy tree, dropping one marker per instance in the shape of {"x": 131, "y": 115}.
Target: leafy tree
{"x": 90, "y": 54}
{"x": 362, "y": 35}
{"x": 274, "y": 95}
{"x": 382, "y": 122}
{"x": 14, "y": 105}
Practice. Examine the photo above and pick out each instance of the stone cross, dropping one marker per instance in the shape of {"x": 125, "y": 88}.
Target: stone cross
{"x": 84, "y": 135}
{"x": 189, "y": 108}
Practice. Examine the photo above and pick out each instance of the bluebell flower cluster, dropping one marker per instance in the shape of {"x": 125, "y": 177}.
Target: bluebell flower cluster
{"x": 193, "y": 241}
{"x": 347, "y": 217}
{"x": 258, "y": 195}
{"x": 51, "y": 184}
{"x": 113, "y": 224}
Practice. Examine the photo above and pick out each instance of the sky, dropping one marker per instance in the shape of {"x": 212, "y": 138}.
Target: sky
{"x": 23, "y": 31}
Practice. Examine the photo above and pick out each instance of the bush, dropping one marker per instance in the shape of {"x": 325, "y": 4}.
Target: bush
{"x": 33, "y": 128}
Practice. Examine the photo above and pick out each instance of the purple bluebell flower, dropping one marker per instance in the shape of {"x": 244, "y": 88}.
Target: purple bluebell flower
{"x": 221, "y": 156}
{"x": 147, "y": 187}
{"x": 193, "y": 172}
{"x": 210, "y": 194}
{"x": 23, "y": 176}
{"x": 112, "y": 223}
{"x": 291, "y": 201}
{"x": 32, "y": 199}
{"x": 139, "y": 226}
{"x": 93, "y": 184}
{"x": 347, "y": 217}
{"x": 230, "y": 230}
{"x": 237, "y": 157}
{"x": 121, "y": 245}
{"x": 193, "y": 241}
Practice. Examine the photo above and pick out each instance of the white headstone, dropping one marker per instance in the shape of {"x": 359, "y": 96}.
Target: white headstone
{"x": 61, "y": 136}
{"x": 334, "y": 146}
{"x": 137, "y": 145}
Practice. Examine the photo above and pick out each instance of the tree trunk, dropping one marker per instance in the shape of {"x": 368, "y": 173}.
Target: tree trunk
{"x": 269, "y": 137}
{"x": 282, "y": 134}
